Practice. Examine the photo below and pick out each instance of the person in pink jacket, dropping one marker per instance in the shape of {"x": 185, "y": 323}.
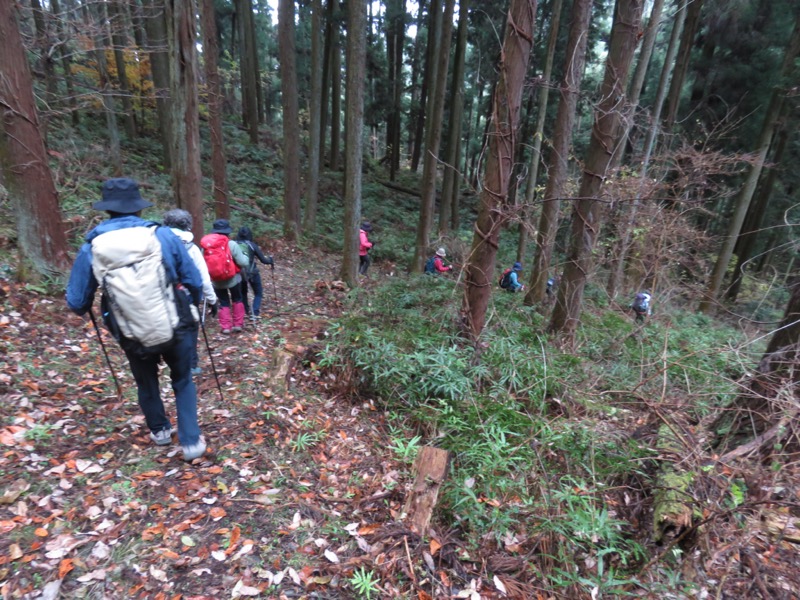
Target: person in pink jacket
{"x": 363, "y": 250}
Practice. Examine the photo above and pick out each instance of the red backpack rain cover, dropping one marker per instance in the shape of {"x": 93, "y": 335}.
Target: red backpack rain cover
{"x": 219, "y": 260}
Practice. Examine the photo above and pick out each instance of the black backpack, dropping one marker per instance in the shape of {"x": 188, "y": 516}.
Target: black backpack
{"x": 504, "y": 281}
{"x": 429, "y": 265}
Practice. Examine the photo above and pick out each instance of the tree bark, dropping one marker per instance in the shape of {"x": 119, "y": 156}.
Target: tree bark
{"x": 43, "y": 43}
{"x": 569, "y": 90}
{"x": 354, "y": 128}
{"x": 450, "y": 181}
{"x": 23, "y": 156}
{"x": 158, "y": 48}
{"x": 214, "y": 101}
{"x": 432, "y": 139}
{"x": 291, "y": 121}
{"x": 315, "y": 110}
{"x": 746, "y": 193}
{"x": 479, "y": 276}
{"x": 336, "y": 100}
{"x": 538, "y": 135}
{"x": 395, "y": 36}
{"x": 120, "y": 42}
{"x": 66, "y": 62}
{"x": 691, "y": 23}
{"x": 186, "y": 175}
{"x": 247, "y": 67}
{"x": 603, "y": 144}
{"x": 105, "y": 94}
{"x": 428, "y": 80}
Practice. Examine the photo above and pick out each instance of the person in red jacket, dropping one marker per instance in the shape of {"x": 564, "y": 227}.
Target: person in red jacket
{"x": 435, "y": 264}
{"x": 363, "y": 251}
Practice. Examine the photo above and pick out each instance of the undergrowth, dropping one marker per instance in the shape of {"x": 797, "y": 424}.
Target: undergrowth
{"x": 542, "y": 439}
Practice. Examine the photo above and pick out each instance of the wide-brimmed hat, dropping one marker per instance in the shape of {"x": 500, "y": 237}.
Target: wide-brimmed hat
{"x": 221, "y": 226}
{"x": 441, "y": 252}
{"x": 366, "y": 226}
{"x": 121, "y": 195}
{"x": 517, "y": 266}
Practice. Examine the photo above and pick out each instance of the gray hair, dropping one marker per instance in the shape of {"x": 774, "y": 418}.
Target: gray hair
{"x": 178, "y": 218}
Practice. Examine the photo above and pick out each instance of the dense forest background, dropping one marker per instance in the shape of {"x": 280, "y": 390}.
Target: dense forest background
{"x": 610, "y": 145}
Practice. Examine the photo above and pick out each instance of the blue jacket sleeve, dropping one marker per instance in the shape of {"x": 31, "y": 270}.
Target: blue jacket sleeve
{"x": 515, "y": 284}
{"x": 82, "y": 284}
{"x": 180, "y": 266}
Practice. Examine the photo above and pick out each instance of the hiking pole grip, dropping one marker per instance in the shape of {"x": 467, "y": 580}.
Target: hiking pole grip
{"x": 211, "y": 360}
{"x": 105, "y": 353}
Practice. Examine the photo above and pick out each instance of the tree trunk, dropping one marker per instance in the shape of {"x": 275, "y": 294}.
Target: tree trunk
{"x": 120, "y": 41}
{"x": 23, "y": 156}
{"x": 247, "y": 67}
{"x": 618, "y": 269}
{"x": 450, "y": 181}
{"x": 428, "y": 79}
{"x": 315, "y": 109}
{"x": 354, "y": 128}
{"x": 156, "y": 26}
{"x": 415, "y": 88}
{"x": 770, "y": 396}
{"x": 746, "y": 194}
{"x": 218, "y": 161}
{"x": 691, "y": 23}
{"x": 479, "y": 276}
{"x": 635, "y": 89}
{"x": 559, "y": 154}
{"x": 395, "y": 36}
{"x": 327, "y": 63}
{"x": 336, "y": 100}
{"x": 432, "y": 140}
{"x": 186, "y": 175}
{"x": 755, "y": 214}
{"x": 538, "y": 135}
{"x": 291, "y": 121}
{"x": 105, "y": 93}
{"x": 66, "y": 62}
{"x": 603, "y": 144}
{"x": 43, "y": 44}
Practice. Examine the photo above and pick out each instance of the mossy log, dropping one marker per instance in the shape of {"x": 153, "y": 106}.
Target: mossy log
{"x": 671, "y": 511}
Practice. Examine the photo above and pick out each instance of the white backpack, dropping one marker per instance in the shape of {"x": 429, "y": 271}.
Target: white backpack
{"x": 128, "y": 265}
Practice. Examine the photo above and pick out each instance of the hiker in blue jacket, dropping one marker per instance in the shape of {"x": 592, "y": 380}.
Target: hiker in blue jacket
{"x": 250, "y": 275}
{"x": 123, "y": 202}
{"x": 510, "y": 280}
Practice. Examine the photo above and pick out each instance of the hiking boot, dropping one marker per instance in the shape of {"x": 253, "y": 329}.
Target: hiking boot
{"x": 226, "y": 331}
{"x": 236, "y": 329}
{"x": 197, "y": 371}
{"x": 195, "y": 450}
{"x": 162, "y": 438}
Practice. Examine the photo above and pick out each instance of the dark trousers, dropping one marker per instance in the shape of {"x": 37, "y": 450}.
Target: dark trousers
{"x": 145, "y": 372}
{"x": 253, "y": 281}
{"x": 363, "y": 264}
{"x": 227, "y": 296}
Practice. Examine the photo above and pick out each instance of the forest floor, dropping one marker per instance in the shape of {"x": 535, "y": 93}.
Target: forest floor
{"x": 298, "y": 496}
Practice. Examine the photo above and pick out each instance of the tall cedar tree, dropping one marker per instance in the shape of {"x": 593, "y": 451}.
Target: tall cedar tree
{"x": 214, "y": 102}
{"x": 745, "y": 195}
{"x": 23, "y": 156}
{"x": 354, "y": 129}
{"x": 605, "y": 137}
{"x": 186, "y": 175}
{"x": 538, "y": 135}
{"x": 515, "y": 55}
{"x": 155, "y": 23}
{"x": 291, "y": 121}
{"x": 569, "y": 90}
{"x": 315, "y": 110}
{"x": 248, "y": 66}
{"x": 433, "y": 136}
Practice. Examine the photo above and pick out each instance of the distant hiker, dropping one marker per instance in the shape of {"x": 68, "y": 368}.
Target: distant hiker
{"x": 149, "y": 285}
{"x": 641, "y": 305}
{"x": 509, "y": 280}
{"x": 250, "y": 274}
{"x": 364, "y": 247}
{"x": 550, "y": 290}
{"x": 435, "y": 264}
{"x": 225, "y": 259}
{"x": 180, "y": 221}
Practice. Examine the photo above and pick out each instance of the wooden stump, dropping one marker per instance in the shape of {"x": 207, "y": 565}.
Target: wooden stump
{"x": 430, "y": 469}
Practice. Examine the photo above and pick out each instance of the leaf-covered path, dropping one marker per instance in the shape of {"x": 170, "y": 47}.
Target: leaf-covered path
{"x": 296, "y": 498}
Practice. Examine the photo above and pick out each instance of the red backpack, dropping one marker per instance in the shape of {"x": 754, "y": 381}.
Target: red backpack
{"x": 503, "y": 282}
{"x": 219, "y": 260}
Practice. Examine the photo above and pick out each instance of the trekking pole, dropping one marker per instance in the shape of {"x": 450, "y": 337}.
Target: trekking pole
{"x": 105, "y": 353}
{"x": 211, "y": 358}
{"x": 274, "y": 287}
